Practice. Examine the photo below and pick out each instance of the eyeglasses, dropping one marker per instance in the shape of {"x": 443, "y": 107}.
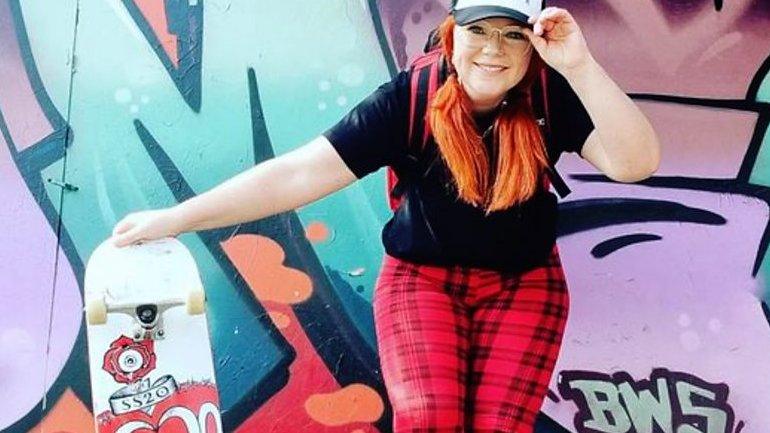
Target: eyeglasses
{"x": 479, "y": 33}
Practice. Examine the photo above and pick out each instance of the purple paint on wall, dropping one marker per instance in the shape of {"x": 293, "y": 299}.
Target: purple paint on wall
{"x": 27, "y": 265}
{"x": 685, "y": 49}
{"x": 686, "y": 302}
{"x": 28, "y": 254}
{"x": 408, "y": 23}
{"x": 700, "y": 141}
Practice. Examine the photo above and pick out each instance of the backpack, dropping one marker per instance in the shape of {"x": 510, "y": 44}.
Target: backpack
{"x": 426, "y": 73}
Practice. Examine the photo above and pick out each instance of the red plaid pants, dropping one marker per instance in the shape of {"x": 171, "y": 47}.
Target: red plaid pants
{"x": 467, "y": 350}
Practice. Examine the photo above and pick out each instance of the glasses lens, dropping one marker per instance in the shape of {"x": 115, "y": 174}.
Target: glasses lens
{"x": 479, "y": 34}
{"x": 476, "y": 35}
{"x": 513, "y": 37}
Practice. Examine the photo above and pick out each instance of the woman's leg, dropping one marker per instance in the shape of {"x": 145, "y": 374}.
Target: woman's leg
{"x": 422, "y": 336}
{"x": 515, "y": 338}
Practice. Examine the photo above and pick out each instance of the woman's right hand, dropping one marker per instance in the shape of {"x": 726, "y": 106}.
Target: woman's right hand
{"x": 146, "y": 225}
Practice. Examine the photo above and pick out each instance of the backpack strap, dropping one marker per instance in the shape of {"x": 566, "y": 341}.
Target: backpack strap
{"x": 539, "y": 101}
{"x": 427, "y": 72}
{"x": 425, "y": 75}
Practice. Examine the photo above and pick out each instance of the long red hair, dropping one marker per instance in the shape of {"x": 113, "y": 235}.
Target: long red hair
{"x": 521, "y": 151}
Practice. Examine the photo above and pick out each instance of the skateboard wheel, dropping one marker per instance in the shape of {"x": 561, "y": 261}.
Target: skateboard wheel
{"x": 196, "y": 302}
{"x": 96, "y": 312}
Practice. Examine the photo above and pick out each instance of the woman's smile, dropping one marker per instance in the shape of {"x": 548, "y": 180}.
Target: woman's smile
{"x": 489, "y": 68}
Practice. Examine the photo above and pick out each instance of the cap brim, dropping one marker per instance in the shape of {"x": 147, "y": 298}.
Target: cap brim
{"x": 474, "y": 13}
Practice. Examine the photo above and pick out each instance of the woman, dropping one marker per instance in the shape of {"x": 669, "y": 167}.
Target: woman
{"x": 471, "y": 301}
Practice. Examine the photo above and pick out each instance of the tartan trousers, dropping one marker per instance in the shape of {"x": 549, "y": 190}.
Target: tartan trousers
{"x": 468, "y": 350}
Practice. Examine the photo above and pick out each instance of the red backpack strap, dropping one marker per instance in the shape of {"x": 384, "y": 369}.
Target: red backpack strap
{"x": 391, "y": 182}
{"x": 424, "y": 80}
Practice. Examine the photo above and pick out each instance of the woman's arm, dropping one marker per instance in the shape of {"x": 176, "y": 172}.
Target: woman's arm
{"x": 277, "y": 185}
{"x": 624, "y": 145}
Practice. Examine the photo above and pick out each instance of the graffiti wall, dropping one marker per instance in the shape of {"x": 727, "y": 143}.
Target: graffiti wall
{"x": 109, "y": 106}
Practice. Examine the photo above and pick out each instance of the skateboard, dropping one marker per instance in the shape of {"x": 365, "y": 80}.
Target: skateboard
{"x": 148, "y": 343}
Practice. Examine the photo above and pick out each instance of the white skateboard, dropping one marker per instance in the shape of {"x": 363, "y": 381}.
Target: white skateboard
{"x": 148, "y": 342}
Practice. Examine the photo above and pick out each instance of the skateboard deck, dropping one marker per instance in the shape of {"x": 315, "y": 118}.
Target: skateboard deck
{"x": 148, "y": 343}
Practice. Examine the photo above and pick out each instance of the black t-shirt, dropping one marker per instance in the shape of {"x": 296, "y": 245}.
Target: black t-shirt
{"x": 432, "y": 225}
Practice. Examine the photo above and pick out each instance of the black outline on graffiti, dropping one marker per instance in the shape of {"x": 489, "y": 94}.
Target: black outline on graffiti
{"x": 185, "y": 22}
{"x": 589, "y": 214}
{"x": 343, "y": 351}
{"x": 720, "y": 390}
{"x": 605, "y": 248}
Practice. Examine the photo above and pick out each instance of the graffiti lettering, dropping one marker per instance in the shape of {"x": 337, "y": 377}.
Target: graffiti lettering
{"x": 669, "y": 402}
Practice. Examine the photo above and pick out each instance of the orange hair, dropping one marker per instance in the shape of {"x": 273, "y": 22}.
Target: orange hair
{"x": 521, "y": 150}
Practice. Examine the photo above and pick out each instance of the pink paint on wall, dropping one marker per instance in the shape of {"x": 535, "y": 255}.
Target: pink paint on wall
{"x": 155, "y": 14}
{"x": 688, "y": 50}
{"x": 25, "y": 120}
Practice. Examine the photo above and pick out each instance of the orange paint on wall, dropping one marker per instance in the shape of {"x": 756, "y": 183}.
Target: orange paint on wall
{"x": 354, "y": 403}
{"x": 155, "y": 14}
{"x": 317, "y": 231}
{"x": 68, "y": 415}
{"x": 260, "y": 262}
{"x": 256, "y": 257}
{"x": 280, "y": 320}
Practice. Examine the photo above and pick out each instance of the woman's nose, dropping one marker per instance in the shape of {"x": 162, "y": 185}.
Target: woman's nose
{"x": 494, "y": 43}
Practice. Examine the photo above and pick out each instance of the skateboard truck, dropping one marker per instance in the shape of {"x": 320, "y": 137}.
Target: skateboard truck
{"x": 148, "y": 317}
{"x": 149, "y": 320}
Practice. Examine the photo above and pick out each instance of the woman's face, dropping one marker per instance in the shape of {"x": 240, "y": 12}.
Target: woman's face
{"x": 491, "y": 56}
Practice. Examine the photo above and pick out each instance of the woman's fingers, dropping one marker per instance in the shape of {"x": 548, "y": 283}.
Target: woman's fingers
{"x": 143, "y": 226}
{"x": 537, "y": 41}
{"x": 553, "y": 15}
{"x": 126, "y": 238}
{"x": 548, "y": 19}
{"x": 127, "y": 230}
{"x": 122, "y": 226}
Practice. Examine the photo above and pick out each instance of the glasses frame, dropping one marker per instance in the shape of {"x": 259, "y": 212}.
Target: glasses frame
{"x": 489, "y": 31}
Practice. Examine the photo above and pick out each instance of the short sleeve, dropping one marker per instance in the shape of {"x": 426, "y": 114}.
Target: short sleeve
{"x": 570, "y": 124}
{"x": 374, "y": 133}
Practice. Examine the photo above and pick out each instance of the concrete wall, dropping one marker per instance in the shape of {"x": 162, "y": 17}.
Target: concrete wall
{"x": 144, "y": 103}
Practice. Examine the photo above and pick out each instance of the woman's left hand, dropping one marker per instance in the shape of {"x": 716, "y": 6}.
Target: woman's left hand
{"x": 557, "y": 38}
